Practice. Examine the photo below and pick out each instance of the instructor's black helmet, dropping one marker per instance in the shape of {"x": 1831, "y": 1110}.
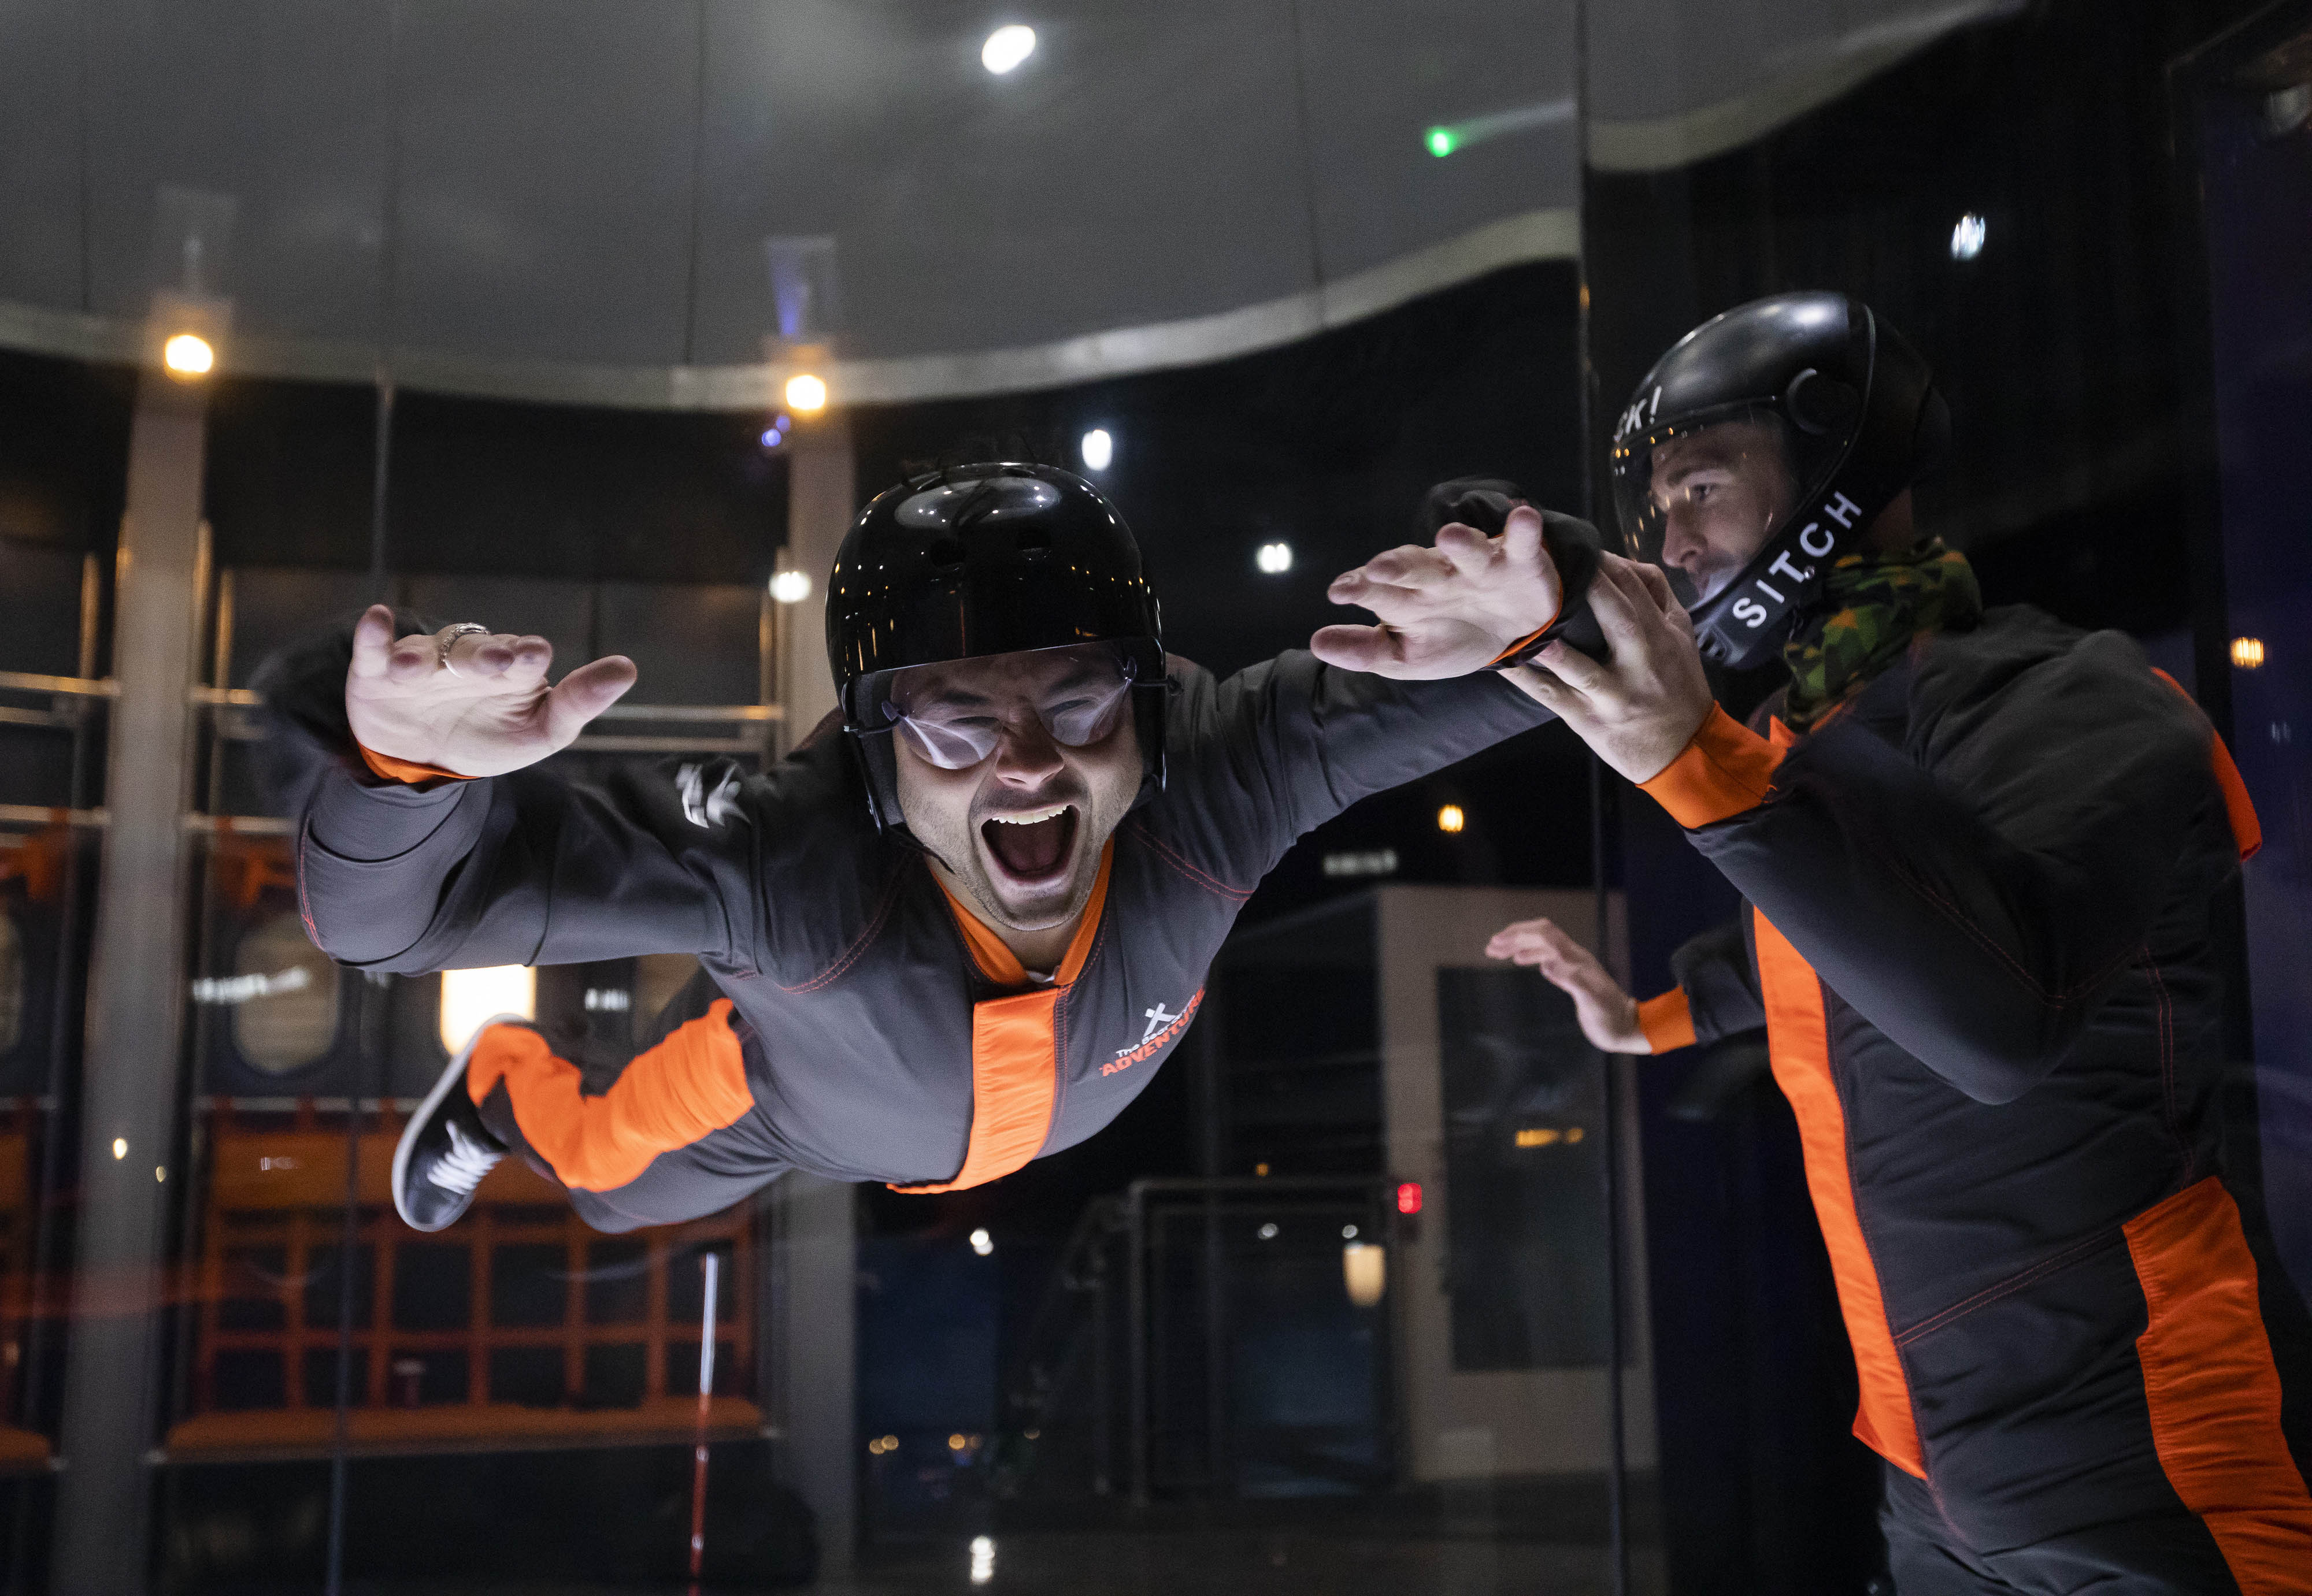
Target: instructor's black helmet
{"x": 1852, "y": 411}
{"x": 977, "y": 561}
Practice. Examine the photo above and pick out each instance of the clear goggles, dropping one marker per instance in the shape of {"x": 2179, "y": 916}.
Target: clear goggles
{"x": 954, "y": 715}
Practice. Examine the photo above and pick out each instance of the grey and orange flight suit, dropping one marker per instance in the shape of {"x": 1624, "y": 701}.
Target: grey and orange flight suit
{"x": 869, "y": 1027}
{"x": 1976, "y": 936}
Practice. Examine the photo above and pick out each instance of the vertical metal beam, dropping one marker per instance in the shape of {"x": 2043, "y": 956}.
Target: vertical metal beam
{"x": 815, "y": 1263}
{"x": 1136, "y": 1334}
{"x": 822, "y": 496}
{"x": 135, "y": 985}
{"x": 817, "y": 1251}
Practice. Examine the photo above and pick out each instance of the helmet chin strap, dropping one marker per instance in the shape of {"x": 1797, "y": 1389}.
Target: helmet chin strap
{"x": 1751, "y": 617}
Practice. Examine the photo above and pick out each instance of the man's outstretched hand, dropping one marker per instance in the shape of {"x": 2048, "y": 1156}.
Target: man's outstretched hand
{"x": 486, "y": 711}
{"x": 1448, "y": 610}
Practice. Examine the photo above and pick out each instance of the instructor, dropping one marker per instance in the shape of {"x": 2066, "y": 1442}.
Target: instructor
{"x": 1978, "y": 850}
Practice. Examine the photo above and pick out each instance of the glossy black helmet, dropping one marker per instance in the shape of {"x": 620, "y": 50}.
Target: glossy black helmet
{"x": 1818, "y": 393}
{"x": 977, "y": 561}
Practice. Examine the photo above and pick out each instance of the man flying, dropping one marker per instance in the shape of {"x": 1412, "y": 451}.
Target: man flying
{"x": 957, "y": 933}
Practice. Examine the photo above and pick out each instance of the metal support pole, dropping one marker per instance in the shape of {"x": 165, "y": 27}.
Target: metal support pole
{"x": 708, "y": 1262}
{"x": 1103, "y": 1404}
{"x": 816, "y": 1258}
{"x": 822, "y": 496}
{"x": 134, "y": 1011}
{"x": 818, "y": 1226}
{"x": 1135, "y": 1333}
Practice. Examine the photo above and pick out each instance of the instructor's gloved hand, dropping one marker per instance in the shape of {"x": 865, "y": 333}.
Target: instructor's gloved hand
{"x": 480, "y": 709}
{"x": 1449, "y": 609}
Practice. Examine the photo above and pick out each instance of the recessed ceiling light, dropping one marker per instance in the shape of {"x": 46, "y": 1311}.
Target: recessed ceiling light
{"x": 1007, "y": 46}
{"x": 1274, "y": 558}
{"x": 189, "y": 354}
{"x": 1099, "y": 449}
{"x": 1967, "y": 238}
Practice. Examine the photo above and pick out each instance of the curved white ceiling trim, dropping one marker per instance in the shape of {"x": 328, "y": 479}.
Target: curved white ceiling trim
{"x": 1841, "y": 62}
{"x": 1549, "y": 234}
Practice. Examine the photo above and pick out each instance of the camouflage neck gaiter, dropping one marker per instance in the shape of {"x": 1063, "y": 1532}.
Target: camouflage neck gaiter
{"x": 1872, "y": 605}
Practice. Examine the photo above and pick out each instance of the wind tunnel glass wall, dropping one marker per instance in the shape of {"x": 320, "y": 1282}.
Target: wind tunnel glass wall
{"x": 1330, "y": 1307}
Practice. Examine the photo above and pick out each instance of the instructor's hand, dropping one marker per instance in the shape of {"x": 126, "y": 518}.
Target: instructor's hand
{"x": 1640, "y": 705}
{"x": 484, "y": 710}
{"x": 1448, "y": 610}
{"x": 1609, "y": 1014}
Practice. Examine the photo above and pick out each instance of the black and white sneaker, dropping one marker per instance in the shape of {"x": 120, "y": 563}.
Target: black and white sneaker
{"x": 446, "y": 1149}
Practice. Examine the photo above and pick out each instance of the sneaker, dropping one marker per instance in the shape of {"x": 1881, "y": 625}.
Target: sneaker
{"x": 446, "y": 1149}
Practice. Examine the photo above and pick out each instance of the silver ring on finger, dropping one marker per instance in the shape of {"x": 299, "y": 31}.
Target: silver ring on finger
{"x": 446, "y": 639}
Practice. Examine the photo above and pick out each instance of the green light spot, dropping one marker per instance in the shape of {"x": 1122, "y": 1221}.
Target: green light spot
{"x": 1441, "y": 142}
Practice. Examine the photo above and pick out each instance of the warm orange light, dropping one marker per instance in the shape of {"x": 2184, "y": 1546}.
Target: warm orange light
{"x": 1539, "y": 1136}
{"x": 2248, "y": 652}
{"x": 1364, "y": 1270}
{"x": 806, "y": 394}
{"x": 189, "y": 354}
{"x": 1450, "y": 819}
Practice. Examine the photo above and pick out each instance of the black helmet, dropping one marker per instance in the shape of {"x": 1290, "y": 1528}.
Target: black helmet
{"x": 1852, "y": 413}
{"x": 982, "y": 560}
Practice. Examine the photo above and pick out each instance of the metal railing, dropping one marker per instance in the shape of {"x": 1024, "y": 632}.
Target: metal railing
{"x": 1113, "y": 1251}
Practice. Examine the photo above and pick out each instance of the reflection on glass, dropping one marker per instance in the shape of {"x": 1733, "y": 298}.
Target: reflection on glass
{"x": 286, "y": 1016}
{"x": 12, "y": 982}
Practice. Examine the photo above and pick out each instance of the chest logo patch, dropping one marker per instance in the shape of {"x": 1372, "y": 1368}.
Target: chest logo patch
{"x": 705, "y": 807}
{"x": 1164, "y": 1027}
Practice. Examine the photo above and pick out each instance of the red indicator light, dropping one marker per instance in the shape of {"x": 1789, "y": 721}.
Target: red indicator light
{"x": 1408, "y": 1198}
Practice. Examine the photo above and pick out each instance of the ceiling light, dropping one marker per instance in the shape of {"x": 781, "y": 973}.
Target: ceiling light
{"x": 982, "y": 1243}
{"x": 1099, "y": 448}
{"x": 189, "y": 354}
{"x": 2248, "y": 652}
{"x": 790, "y": 587}
{"x": 807, "y": 394}
{"x": 1450, "y": 819}
{"x": 1967, "y": 238}
{"x": 120, "y": 1146}
{"x": 1268, "y": 1231}
{"x": 1274, "y": 558}
{"x": 1007, "y": 46}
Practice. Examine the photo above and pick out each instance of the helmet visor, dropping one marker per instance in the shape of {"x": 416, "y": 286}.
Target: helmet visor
{"x": 954, "y": 715}
{"x": 1699, "y": 497}
{"x": 1705, "y": 491}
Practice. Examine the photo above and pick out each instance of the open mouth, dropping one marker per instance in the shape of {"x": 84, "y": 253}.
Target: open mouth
{"x": 1031, "y": 848}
